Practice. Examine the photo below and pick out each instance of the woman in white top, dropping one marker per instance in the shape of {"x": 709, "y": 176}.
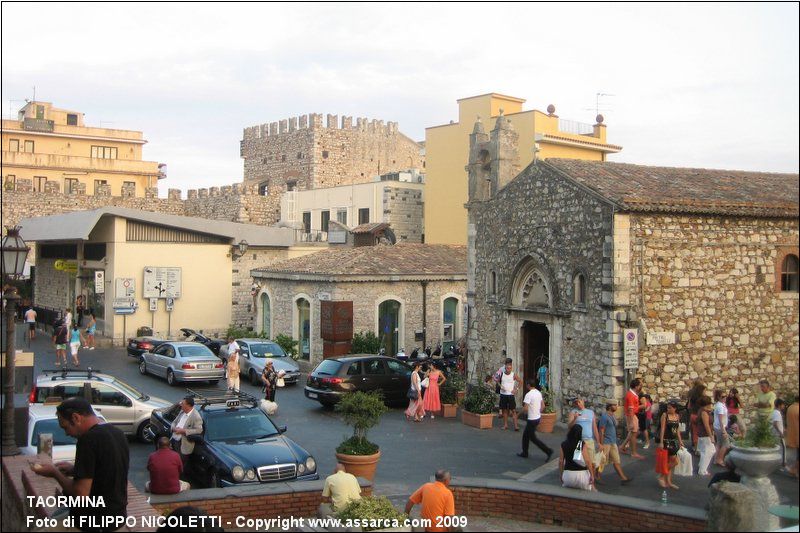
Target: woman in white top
{"x": 720, "y": 427}
{"x": 415, "y": 407}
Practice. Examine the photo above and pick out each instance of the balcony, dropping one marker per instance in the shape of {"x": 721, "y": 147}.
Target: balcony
{"x": 38, "y": 124}
{"x": 79, "y": 164}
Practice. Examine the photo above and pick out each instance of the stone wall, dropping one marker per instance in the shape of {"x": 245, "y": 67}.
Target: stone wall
{"x": 543, "y": 221}
{"x": 403, "y": 210}
{"x": 243, "y": 302}
{"x": 366, "y": 296}
{"x": 712, "y": 281}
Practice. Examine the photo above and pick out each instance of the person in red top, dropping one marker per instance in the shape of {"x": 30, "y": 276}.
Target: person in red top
{"x": 437, "y": 502}
{"x": 631, "y": 418}
{"x": 165, "y": 468}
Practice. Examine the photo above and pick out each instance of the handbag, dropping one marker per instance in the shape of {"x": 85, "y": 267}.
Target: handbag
{"x": 577, "y": 455}
{"x": 425, "y": 383}
{"x": 280, "y": 383}
{"x": 413, "y": 394}
{"x": 662, "y": 461}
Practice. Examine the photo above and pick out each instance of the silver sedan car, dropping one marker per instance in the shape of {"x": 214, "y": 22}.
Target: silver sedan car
{"x": 182, "y": 361}
{"x": 254, "y": 354}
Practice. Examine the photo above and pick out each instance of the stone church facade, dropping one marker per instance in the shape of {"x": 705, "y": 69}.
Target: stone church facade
{"x": 567, "y": 254}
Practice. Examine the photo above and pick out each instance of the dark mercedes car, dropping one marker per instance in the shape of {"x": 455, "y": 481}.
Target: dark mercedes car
{"x": 339, "y": 375}
{"x": 138, "y": 345}
{"x": 191, "y": 335}
{"x": 239, "y": 445}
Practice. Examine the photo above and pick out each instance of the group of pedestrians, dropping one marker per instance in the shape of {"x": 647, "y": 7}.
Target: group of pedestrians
{"x": 66, "y": 335}
{"x": 423, "y": 394}
{"x": 270, "y": 378}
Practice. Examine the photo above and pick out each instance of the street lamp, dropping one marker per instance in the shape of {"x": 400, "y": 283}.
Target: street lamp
{"x": 240, "y": 249}
{"x": 14, "y": 252}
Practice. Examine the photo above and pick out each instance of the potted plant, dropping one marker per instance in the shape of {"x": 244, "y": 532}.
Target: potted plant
{"x": 374, "y": 509}
{"x": 362, "y": 411}
{"x": 548, "y": 420}
{"x": 478, "y": 408}
{"x": 449, "y": 395}
{"x": 759, "y": 454}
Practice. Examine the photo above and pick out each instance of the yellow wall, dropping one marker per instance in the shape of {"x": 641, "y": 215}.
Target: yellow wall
{"x": 66, "y": 152}
{"x": 447, "y": 153}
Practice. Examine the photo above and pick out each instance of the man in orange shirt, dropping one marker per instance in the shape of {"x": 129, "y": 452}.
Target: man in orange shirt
{"x": 631, "y": 418}
{"x": 437, "y": 501}
{"x": 792, "y": 436}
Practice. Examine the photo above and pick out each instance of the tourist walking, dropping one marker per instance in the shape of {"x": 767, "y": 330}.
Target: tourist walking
{"x": 68, "y": 318}
{"x": 776, "y": 424}
{"x": 509, "y": 383}
{"x": 431, "y": 402}
{"x": 415, "y": 408}
{"x": 644, "y": 416}
{"x": 670, "y": 439}
{"x": 60, "y": 340}
{"x": 765, "y": 399}
{"x": 705, "y": 434}
{"x": 720, "y": 427}
{"x": 76, "y": 340}
{"x": 697, "y": 391}
{"x": 632, "y": 419}
{"x": 583, "y": 417}
{"x": 79, "y": 309}
{"x": 534, "y": 405}
{"x": 575, "y": 463}
{"x": 270, "y": 380}
{"x": 232, "y": 370}
{"x": 30, "y": 319}
{"x": 793, "y": 436}
{"x": 735, "y": 407}
{"x": 91, "y": 328}
{"x": 608, "y": 440}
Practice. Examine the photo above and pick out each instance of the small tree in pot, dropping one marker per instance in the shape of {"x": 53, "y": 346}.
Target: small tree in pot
{"x": 548, "y": 420}
{"x": 449, "y": 394}
{"x": 478, "y": 408}
{"x": 362, "y": 411}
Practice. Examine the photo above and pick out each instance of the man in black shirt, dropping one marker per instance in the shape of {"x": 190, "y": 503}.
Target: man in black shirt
{"x": 100, "y": 470}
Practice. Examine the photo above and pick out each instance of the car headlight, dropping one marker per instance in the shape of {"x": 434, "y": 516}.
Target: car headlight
{"x": 311, "y": 464}
{"x": 301, "y": 468}
{"x": 251, "y": 474}
{"x": 237, "y": 473}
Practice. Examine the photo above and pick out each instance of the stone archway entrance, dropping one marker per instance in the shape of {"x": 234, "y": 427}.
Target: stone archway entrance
{"x": 535, "y": 352}
{"x": 534, "y": 338}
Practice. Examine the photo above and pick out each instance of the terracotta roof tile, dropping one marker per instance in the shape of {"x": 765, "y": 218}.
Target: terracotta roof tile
{"x": 418, "y": 260}
{"x": 687, "y": 190}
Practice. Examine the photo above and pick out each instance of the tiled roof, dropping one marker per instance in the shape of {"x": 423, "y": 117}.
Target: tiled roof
{"x": 414, "y": 260}
{"x": 370, "y": 227}
{"x": 686, "y": 190}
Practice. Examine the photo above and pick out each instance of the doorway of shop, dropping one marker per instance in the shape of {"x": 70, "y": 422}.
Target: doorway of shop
{"x": 536, "y": 353}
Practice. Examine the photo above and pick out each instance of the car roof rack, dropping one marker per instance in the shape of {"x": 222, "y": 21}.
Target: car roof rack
{"x": 217, "y": 397}
{"x": 64, "y": 372}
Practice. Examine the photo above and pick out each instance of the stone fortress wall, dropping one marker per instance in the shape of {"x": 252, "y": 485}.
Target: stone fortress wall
{"x": 302, "y": 153}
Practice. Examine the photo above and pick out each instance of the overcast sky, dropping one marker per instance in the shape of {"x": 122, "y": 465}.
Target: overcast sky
{"x": 703, "y": 85}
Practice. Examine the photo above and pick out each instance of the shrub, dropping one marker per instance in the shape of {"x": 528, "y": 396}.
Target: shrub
{"x": 549, "y": 401}
{"x": 480, "y": 400}
{"x": 288, "y": 344}
{"x": 366, "y": 342}
{"x": 455, "y": 383}
{"x": 239, "y": 332}
{"x": 372, "y": 508}
{"x": 759, "y": 435}
{"x": 362, "y": 411}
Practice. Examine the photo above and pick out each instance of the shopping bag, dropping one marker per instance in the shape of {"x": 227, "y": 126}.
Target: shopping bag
{"x": 268, "y": 407}
{"x": 662, "y": 461}
{"x": 600, "y": 461}
{"x": 684, "y": 467}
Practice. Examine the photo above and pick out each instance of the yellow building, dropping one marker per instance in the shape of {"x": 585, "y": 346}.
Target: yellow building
{"x": 49, "y": 145}
{"x": 447, "y": 152}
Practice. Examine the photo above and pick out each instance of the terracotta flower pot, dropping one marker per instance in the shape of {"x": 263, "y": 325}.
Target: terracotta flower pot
{"x": 449, "y": 410}
{"x": 547, "y": 423}
{"x": 477, "y": 421}
{"x": 360, "y": 465}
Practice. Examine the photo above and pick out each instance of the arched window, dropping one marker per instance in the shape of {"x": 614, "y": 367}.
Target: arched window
{"x": 389, "y": 326}
{"x": 303, "y": 327}
{"x": 450, "y": 325}
{"x": 266, "y": 315}
{"x": 579, "y": 289}
{"x": 790, "y": 275}
{"x": 263, "y": 188}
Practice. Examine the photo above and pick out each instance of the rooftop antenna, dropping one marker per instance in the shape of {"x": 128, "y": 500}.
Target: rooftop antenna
{"x": 598, "y": 106}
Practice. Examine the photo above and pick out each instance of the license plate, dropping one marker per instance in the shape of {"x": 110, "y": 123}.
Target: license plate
{"x": 204, "y": 367}
{"x": 313, "y": 395}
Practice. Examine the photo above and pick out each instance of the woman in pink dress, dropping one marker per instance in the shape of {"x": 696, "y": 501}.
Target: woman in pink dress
{"x": 431, "y": 402}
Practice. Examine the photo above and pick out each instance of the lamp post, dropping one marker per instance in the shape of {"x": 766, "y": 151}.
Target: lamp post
{"x": 14, "y": 252}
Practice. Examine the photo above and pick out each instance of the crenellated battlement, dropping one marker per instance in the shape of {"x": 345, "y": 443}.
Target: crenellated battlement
{"x": 314, "y": 121}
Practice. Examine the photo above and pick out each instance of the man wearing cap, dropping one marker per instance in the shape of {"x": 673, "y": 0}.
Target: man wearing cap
{"x": 585, "y": 419}
{"x": 608, "y": 439}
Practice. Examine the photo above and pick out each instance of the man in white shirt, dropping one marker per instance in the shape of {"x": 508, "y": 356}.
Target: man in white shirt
{"x": 534, "y": 403}
{"x": 508, "y": 391}
{"x": 776, "y": 421}
{"x": 188, "y": 422}
{"x": 30, "y": 319}
{"x": 233, "y": 346}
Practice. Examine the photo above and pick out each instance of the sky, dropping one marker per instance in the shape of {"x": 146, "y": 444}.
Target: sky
{"x": 691, "y": 85}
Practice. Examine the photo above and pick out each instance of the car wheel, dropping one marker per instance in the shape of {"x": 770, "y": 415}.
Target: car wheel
{"x": 142, "y": 366}
{"x": 170, "y": 377}
{"x": 144, "y": 434}
{"x": 213, "y": 480}
{"x": 253, "y": 378}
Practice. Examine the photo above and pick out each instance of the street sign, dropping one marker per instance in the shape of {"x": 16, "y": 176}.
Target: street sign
{"x": 125, "y": 288}
{"x": 64, "y": 265}
{"x": 162, "y": 282}
{"x": 154, "y": 304}
{"x": 630, "y": 348}
{"x": 99, "y": 282}
{"x": 123, "y": 302}
{"x": 170, "y": 304}
{"x": 657, "y": 338}
{"x": 124, "y": 310}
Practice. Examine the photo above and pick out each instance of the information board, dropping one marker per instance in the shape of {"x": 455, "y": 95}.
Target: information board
{"x": 631, "y": 348}
{"x": 162, "y": 282}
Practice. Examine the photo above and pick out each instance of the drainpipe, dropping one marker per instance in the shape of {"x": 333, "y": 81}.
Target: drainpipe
{"x": 424, "y": 313}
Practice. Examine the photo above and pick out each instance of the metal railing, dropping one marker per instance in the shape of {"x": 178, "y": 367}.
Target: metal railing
{"x": 301, "y": 235}
{"x": 574, "y": 127}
